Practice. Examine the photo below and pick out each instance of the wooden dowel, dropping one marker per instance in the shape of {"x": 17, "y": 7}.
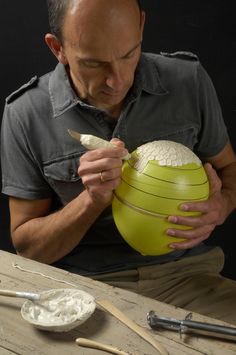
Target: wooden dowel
{"x": 108, "y": 306}
{"x": 99, "y": 346}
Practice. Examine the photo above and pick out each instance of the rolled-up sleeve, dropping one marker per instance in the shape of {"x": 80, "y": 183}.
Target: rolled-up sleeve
{"x": 21, "y": 176}
{"x": 213, "y": 134}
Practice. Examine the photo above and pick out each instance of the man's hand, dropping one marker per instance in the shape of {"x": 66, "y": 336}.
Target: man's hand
{"x": 100, "y": 171}
{"x": 213, "y": 212}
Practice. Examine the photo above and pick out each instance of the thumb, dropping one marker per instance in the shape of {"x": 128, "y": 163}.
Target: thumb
{"x": 117, "y": 142}
{"x": 214, "y": 180}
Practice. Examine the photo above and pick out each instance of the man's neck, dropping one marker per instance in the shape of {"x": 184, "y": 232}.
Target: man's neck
{"x": 115, "y": 110}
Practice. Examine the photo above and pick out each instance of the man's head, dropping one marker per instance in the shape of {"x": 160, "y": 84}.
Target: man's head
{"x": 56, "y": 13}
{"x": 99, "y": 41}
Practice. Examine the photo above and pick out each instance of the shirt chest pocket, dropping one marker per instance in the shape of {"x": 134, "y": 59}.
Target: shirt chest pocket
{"x": 186, "y": 135}
{"x": 63, "y": 178}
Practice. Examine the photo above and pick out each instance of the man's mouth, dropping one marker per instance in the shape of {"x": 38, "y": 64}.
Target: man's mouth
{"x": 112, "y": 93}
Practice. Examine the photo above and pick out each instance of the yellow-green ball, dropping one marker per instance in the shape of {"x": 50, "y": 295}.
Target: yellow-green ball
{"x": 158, "y": 177}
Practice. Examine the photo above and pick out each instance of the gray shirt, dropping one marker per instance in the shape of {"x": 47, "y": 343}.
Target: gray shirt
{"x": 172, "y": 98}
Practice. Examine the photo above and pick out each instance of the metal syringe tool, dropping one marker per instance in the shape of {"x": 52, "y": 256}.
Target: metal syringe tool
{"x": 187, "y": 325}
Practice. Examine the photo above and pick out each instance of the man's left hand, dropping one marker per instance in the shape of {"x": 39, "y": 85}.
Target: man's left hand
{"x": 213, "y": 212}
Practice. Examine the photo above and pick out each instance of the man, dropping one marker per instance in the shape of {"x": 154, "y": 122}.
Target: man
{"x": 60, "y": 195}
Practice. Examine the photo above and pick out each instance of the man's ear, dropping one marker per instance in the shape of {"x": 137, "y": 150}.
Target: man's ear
{"x": 56, "y": 48}
{"x": 142, "y": 21}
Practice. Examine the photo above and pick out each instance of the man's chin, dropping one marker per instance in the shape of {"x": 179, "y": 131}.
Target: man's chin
{"x": 107, "y": 100}
{"x": 110, "y": 105}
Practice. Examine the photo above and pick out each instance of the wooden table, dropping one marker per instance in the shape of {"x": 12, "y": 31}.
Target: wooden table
{"x": 19, "y": 337}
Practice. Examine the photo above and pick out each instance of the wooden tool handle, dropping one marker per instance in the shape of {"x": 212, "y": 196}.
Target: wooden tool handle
{"x": 132, "y": 325}
{"x": 8, "y": 293}
{"x": 99, "y": 346}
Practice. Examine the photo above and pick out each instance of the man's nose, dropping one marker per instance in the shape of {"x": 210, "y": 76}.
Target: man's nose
{"x": 114, "y": 78}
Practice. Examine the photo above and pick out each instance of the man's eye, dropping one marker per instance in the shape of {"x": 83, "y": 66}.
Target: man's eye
{"x": 90, "y": 64}
{"x": 130, "y": 55}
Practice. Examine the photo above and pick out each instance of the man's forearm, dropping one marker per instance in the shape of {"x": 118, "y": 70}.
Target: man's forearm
{"x": 47, "y": 239}
{"x": 228, "y": 178}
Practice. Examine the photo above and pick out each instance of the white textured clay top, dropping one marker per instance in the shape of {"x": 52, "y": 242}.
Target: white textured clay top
{"x": 166, "y": 153}
{"x": 60, "y": 306}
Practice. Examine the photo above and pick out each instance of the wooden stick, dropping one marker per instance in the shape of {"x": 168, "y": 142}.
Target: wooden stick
{"x": 99, "y": 346}
{"x": 132, "y": 325}
{"x": 92, "y": 142}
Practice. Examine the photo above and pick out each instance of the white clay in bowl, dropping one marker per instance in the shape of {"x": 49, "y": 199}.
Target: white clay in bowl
{"x": 59, "y": 310}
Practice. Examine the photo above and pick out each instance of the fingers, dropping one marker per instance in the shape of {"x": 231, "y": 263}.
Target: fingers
{"x": 215, "y": 187}
{"x": 100, "y": 159}
{"x": 199, "y": 206}
{"x": 192, "y": 233}
{"x": 189, "y": 243}
{"x": 192, "y": 237}
{"x": 104, "y": 187}
{"x": 200, "y": 226}
{"x": 100, "y": 171}
{"x": 117, "y": 152}
{"x": 191, "y": 221}
{"x": 96, "y": 178}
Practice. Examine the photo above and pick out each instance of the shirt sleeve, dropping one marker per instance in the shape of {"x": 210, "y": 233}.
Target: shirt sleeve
{"x": 21, "y": 173}
{"x": 213, "y": 134}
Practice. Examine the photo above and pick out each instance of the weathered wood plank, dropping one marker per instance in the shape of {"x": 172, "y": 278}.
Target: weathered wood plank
{"x": 19, "y": 337}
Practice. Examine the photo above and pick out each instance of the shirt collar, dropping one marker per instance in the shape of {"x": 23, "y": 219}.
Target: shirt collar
{"x": 63, "y": 97}
{"x": 148, "y": 75}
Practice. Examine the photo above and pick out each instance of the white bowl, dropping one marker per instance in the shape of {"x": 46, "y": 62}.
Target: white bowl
{"x": 59, "y": 310}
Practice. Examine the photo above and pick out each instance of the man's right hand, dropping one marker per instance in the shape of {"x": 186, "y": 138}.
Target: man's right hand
{"x": 100, "y": 171}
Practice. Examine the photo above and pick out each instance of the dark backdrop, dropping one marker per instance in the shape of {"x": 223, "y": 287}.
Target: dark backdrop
{"x": 203, "y": 27}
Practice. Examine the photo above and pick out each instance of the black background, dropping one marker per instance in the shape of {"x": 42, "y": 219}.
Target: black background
{"x": 206, "y": 28}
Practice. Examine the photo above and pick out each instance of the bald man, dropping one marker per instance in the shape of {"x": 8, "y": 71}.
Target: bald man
{"x": 60, "y": 195}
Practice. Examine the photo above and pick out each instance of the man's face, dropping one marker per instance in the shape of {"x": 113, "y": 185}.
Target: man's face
{"x": 102, "y": 46}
